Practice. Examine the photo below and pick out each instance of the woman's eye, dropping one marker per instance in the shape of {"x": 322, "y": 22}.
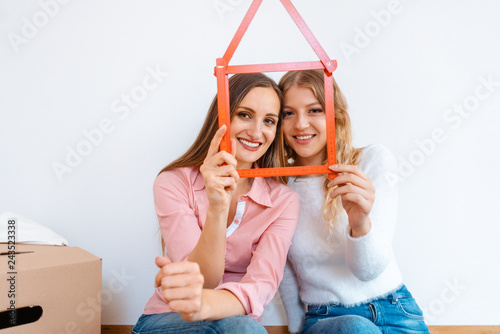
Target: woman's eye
{"x": 316, "y": 110}
{"x": 243, "y": 115}
{"x": 270, "y": 121}
{"x": 287, "y": 113}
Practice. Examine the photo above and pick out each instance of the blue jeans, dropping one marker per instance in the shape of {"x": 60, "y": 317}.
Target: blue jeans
{"x": 172, "y": 322}
{"x": 397, "y": 312}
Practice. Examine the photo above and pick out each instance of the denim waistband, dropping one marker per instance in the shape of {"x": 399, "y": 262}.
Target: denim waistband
{"x": 399, "y": 292}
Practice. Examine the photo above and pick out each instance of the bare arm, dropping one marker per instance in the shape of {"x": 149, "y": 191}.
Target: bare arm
{"x": 209, "y": 251}
{"x": 221, "y": 178}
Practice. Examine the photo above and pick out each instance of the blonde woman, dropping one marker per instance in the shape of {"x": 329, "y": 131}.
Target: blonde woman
{"x": 226, "y": 238}
{"x": 341, "y": 266}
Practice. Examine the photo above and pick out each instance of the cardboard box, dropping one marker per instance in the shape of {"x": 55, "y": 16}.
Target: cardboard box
{"x": 65, "y": 282}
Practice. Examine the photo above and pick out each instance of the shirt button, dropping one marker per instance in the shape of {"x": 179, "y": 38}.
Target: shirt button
{"x": 236, "y": 221}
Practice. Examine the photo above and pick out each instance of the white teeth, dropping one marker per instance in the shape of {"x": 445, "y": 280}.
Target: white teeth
{"x": 247, "y": 143}
{"x": 304, "y": 137}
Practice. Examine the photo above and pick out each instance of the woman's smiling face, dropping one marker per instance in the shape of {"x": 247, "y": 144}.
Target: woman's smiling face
{"x": 304, "y": 126}
{"x": 254, "y": 125}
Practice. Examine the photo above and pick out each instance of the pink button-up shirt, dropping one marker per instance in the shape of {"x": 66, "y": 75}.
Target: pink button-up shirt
{"x": 255, "y": 252}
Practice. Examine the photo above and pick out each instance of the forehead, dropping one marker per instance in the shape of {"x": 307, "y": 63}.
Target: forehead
{"x": 262, "y": 99}
{"x": 300, "y": 95}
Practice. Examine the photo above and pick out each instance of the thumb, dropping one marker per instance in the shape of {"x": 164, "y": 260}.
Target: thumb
{"x": 162, "y": 260}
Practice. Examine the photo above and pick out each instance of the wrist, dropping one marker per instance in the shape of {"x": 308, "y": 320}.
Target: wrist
{"x": 361, "y": 229}
{"x": 205, "y": 311}
{"x": 215, "y": 213}
{"x": 218, "y": 207}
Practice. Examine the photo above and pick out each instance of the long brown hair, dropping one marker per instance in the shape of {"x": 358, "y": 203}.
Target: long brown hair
{"x": 346, "y": 153}
{"x": 239, "y": 86}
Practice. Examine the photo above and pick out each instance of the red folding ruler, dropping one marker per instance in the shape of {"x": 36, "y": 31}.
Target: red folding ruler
{"x": 222, "y": 70}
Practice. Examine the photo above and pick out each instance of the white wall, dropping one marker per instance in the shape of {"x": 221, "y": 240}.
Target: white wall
{"x": 66, "y": 73}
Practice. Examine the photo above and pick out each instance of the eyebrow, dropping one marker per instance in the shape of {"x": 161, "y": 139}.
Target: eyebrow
{"x": 307, "y": 105}
{"x": 253, "y": 111}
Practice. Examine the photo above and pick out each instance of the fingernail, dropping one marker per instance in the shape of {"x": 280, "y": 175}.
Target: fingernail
{"x": 222, "y": 127}
{"x": 330, "y": 183}
{"x": 334, "y": 167}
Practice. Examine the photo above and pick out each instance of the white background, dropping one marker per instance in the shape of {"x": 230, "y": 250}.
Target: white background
{"x": 70, "y": 70}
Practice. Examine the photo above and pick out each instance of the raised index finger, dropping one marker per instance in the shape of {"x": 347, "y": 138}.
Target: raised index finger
{"x": 215, "y": 143}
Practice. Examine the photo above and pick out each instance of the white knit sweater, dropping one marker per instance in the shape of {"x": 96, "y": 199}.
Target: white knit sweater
{"x": 336, "y": 268}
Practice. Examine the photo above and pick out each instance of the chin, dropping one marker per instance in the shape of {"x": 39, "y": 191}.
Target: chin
{"x": 303, "y": 153}
{"x": 246, "y": 160}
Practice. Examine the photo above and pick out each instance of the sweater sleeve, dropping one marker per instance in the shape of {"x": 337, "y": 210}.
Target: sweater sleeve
{"x": 369, "y": 255}
{"x": 289, "y": 292}
{"x": 265, "y": 271}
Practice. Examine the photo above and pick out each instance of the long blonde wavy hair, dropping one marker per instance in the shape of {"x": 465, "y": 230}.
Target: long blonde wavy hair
{"x": 346, "y": 153}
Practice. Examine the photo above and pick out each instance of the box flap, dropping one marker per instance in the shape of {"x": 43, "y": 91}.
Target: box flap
{"x": 40, "y": 256}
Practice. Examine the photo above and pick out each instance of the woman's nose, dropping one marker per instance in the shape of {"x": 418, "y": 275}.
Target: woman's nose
{"x": 255, "y": 131}
{"x": 302, "y": 122}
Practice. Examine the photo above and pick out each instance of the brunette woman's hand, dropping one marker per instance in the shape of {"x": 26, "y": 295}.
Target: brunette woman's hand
{"x": 219, "y": 173}
{"x": 357, "y": 193}
{"x": 181, "y": 286}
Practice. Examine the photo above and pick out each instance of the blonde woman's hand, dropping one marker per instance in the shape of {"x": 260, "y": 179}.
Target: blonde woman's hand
{"x": 181, "y": 287}
{"x": 357, "y": 193}
{"x": 219, "y": 173}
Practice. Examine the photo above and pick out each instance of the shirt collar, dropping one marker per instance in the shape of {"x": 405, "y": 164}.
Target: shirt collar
{"x": 259, "y": 193}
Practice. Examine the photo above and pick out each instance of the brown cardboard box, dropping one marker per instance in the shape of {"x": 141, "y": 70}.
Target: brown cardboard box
{"x": 64, "y": 281}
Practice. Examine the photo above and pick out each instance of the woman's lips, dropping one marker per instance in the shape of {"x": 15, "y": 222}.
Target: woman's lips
{"x": 303, "y": 139}
{"x": 249, "y": 145}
